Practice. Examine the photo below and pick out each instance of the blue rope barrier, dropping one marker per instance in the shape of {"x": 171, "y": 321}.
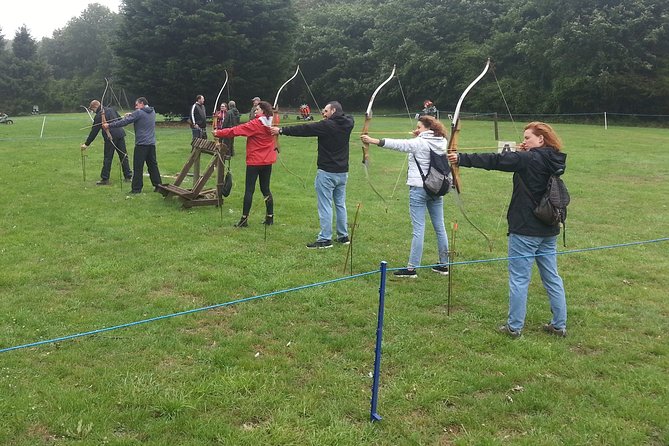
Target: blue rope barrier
{"x": 303, "y": 287}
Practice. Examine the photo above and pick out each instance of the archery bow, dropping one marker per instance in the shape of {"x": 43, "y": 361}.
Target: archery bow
{"x": 90, "y": 115}
{"x": 221, "y": 163}
{"x": 275, "y": 123}
{"x": 103, "y": 117}
{"x": 214, "y": 114}
{"x": 453, "y": 148}
{"x": 365, "y": 131}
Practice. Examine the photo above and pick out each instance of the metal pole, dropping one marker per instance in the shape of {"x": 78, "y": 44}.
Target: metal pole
{"x": 374, "y": 415}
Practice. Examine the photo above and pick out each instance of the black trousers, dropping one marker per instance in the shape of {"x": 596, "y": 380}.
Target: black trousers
{"x": 109, "y": 158}
{"x": 145, "y": 154}
{"x": 264, "y": 173}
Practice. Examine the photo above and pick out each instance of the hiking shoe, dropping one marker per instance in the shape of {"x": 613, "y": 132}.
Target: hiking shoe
{"x": 344, "y": 240}
{"x": 507, "y": 330}
{"x": 441, "y": 269}
{"x": 550, "y": 329}
{"x": 406, "y": 272}
{"x": 320, "y": 244}
{"x": 243, "y": 222}
{"x": 102, "y": 183}
{"x": 269, "y": 220}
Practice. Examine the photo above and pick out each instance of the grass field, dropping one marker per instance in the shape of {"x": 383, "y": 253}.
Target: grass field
{"x": 294, "y": 368}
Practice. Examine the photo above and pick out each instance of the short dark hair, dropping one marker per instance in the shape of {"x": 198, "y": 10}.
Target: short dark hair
{"x": 336, "y": 107}
{"x": 142, "y": 99}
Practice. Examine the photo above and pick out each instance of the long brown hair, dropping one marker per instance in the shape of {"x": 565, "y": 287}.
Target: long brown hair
{"x": 433, "y": 124}
{"x": 551, "y": 139}
{"x": 266, "y": 108}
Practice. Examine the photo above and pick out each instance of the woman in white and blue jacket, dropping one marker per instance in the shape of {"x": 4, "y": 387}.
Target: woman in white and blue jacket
{"x": 430, "y": 134}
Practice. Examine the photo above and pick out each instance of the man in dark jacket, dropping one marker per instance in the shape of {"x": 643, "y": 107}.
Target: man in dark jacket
{"x": 333, "y": 133}
{"x": 198, "y": 118}
{"x": 144, "y": 120}
{"x": 116, "y": 144}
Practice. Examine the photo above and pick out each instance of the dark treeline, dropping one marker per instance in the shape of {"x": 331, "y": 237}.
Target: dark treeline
{"x": 550, "y": 56}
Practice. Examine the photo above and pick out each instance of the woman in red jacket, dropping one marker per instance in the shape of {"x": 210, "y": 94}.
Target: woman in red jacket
{"x": 260, "y": 155}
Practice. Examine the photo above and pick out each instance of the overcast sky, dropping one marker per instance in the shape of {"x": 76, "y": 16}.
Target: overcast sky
{"x": 43, "y": 17}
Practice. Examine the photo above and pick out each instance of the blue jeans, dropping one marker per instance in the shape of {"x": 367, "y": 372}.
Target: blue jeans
{"x": 520, "y": 273}
{"x": 419, "y": 200}
{"x": 329, "y": 187}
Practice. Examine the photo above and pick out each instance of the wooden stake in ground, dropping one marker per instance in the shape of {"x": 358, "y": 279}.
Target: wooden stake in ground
{"x": 83, "y": 163}
{"x": 349, "y": 251}
{"x": 451, "y": 258}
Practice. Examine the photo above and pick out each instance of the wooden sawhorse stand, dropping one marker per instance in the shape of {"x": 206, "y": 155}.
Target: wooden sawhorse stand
{"x": 197, "y": 196}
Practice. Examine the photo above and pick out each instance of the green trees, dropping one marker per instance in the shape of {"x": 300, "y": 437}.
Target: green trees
{"x": 594, "y": 55}
{"x": 24, "y": 75}
{"x": 172, "y": 50}
{"x": 550, "y": 56}
{"x": 80, "y": 57}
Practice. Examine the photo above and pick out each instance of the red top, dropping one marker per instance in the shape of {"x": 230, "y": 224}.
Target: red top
{"x": 260, "y": 143}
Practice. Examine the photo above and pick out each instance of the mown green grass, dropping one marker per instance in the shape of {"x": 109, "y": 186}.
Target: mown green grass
{"x": 294, "y": 368}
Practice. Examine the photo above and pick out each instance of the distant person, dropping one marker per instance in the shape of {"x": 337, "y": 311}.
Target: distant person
{"x": 254, "y": 103}
{"x": 430, "y": 134}
{"x": 223, "y": 120}
{"x": 220, "y": 115}
{"x": 260, "y": 155}
{"x": 143, "y": 119}
{"x": 333, "y": 133}
{"x": 198, "y": 118}
{"x": 115, "y": 145}
{"x": 536, "y": 159}
{"x": 235, "y": 118}
{"x": 429, "y": 109}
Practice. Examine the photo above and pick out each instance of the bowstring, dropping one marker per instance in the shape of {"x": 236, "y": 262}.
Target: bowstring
{"x": 310, "y": 92}
{"x": 515, "y": 128}
{"x": 122, "y": 156}
{"x": 406, "y": 158}
{"x": 318, "y": 107}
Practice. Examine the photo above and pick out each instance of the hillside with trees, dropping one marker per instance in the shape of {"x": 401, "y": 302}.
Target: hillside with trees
{"x": 550, "y": 56}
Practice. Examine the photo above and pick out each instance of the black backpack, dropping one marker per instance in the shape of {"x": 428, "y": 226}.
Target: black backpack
{"x": 437, "y": 182}
{"x": 551, "y": 209}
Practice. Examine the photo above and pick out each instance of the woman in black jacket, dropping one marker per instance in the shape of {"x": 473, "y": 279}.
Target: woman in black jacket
{"x": 538, "y": 157}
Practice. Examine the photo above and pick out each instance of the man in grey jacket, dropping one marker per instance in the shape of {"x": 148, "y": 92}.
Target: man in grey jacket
{"x": 144, "y": 121}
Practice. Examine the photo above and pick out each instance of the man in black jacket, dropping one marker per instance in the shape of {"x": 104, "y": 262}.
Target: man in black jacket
{"x": 198, "y": 118}
{"x": 116, "y": 144}
{"x": 333, "y": 133}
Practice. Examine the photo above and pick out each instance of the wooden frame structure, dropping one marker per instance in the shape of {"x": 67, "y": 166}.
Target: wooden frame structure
{"x": 198, "y": 196}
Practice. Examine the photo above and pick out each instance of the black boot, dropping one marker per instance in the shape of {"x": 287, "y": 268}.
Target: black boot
{"x": 269, "y": 220}
{"x": 243, "y": 222}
